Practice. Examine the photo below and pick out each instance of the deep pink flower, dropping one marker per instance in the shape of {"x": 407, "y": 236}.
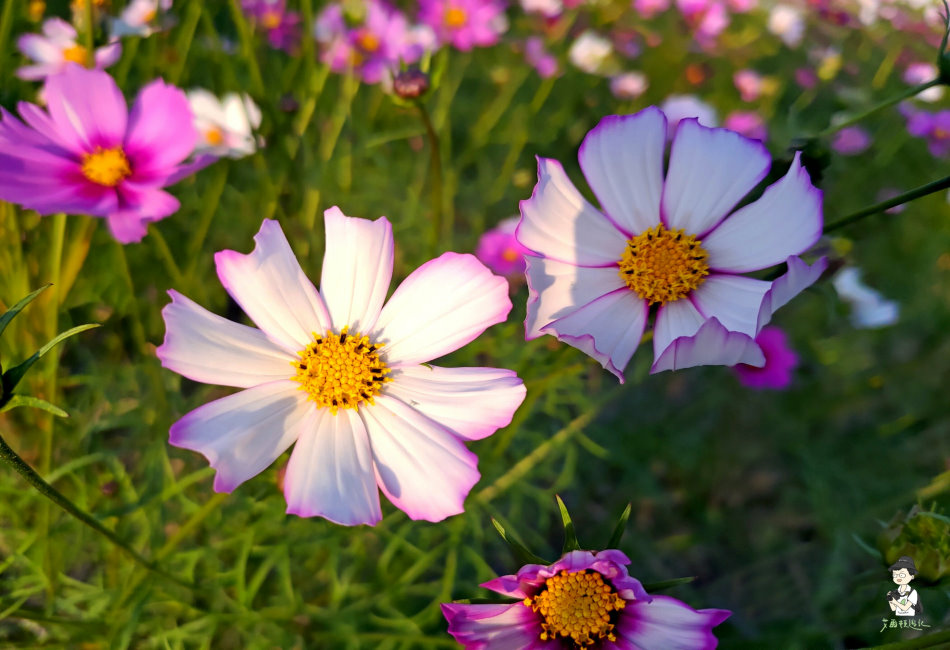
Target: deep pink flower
{"x": 934, "y": 127}
{"x": 749, "y": 84}
{"x": 585, "y": 600}
{"x": 499, "y": 250}
{"x": 464, "y": 24}
{"x": 57, "y": 47}
{"x": 281, "y": 25}
{"x": 88, "y": 155}
{"x": 780, "y": 361}
{"x": 649, "y": 8}
{"x": 748, "y": 123}
{"x": 539, "y": 58}
{"x": 851, "y": 141}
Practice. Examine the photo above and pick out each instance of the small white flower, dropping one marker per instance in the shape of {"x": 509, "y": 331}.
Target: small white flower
{"x": 590, "y": 51}
{"x": 548, "y": 8}
{"x": 868, "y": 307}
{"x": 140, "y": 18}
{"x": 787, "y": 23}
{"x": 57, "y": 47}
{"x": 225, "y": 127}
{"x": 628, "y": 85}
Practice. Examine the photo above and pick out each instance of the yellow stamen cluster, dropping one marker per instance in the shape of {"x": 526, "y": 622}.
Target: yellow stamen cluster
{"x": 455, "y": 17}
{"x": 663, "y": 265}
{"x": 77, "y": 54}
{"x": 271, "y": 19}
{"x": 107, "y": 167}
{"x": 368, "y": 41}
{"x": 214, "y": 136}
{"x": 340, "y": 370}
{"x": 577, "y": 606}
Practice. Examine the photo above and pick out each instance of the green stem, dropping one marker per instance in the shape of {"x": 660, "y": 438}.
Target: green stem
{"x": 167, "y": 258}
{"x": 936, "y": 640}
{"x": 88, "y": 35}
{"x": 6, "y": 23}
{"x": 910, "y": 92}
{"x": 906, "y": 197}
{"x": 435, "y": 162}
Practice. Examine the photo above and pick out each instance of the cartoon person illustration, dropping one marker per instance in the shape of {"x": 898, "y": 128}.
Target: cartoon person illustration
{"x": 904, "y": 600}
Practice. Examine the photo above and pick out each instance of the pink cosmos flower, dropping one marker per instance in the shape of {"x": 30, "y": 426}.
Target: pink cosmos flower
{"x": 780, "y": 361}
{"x": 499, "y": 249}
{"x": 583, "y": 600}
{"x": 57, "y": 48}
{"x": 464, "y": 24}
{"x": 748, "y": 123}
{"x": 851, "y": 140}
{"x": 649, "y": 8}
{"x": 673, "y": 242}
{"x": 281, "y": 25}
{"x": 88, "y": 155}
{"x": 749, "y": 84}
{"x": 934, "y": 127}
{"x": 539, "y": 58}
{"x": 628, "y": 85}
{"x": 344, "y": 376}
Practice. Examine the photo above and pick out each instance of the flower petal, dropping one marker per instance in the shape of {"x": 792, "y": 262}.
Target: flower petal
{"x": 556, "y": 288}
{"x": 444, "y": 304}
{"x": 272, "y": 289}
{"x": 710, "y": 171}
{"x": 87, "y": 107}
{"x": 330, "y": 473}
{"x": 357, "y": 269}
{"x": 495, "y": 627}
{"x": 710, "y": 345}
{"x": 243, "y": 433}
{"x": 420, "y": 466}
{"x": 665, "y": 623}
{"x": 785, "y": 221}
{"x": 799, "y": 277}
{"x": 622, "y": 159}
{"x": 472, "y": 402}
{"x": 161, "y": 133}
{"x": 213, "y": 350}
{"x": 557, "y": 222}
{"x": 734, "y": 300}
{"x": 108, "y": 54}
{"x": 608, "y": 329}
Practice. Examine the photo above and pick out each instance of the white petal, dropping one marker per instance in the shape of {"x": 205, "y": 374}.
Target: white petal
{"x": 673, "y": 320}
{"x": 711, "y": 345}
{"x": 785, "y": 221}
{"x": 555, "y": 289}
{"x": 622, "y": 159}
{"x": 444, "y": 304}
{"x": 205, "y": 106}
{"x": 420, "y": 466}
{"x": 330, "y": 473}
{"x": 235, "y": 115}
{"x": 608, "y": 329}
{"x": 733, "y": 299}
{"x": 40, "y": 49}
{"x": 242, "y": 434}
{"x": 799, "y": 277}
{"x": 272, "y": 289}
{"x": 710, "y": 171}
{"x": 557, "y": 222}
{"x": 213, "y": 350}
{"x": 357, "y": 269}
{"x": 472, "y": 402}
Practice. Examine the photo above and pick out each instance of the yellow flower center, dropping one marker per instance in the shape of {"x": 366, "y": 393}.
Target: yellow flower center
{"x": 77, "y": 54}
{"x": 455, "y": 17}
{"x": 340, "y": 370}
{"x": 941, "y": 134}
{"x": 577, "y": 606}
{"x": 663, "y": 265}
{"x": 214, "y": 136}
{"x": 367, "y": 41}
{"x": 106, "y": 166}
{"x": 149, "y": 16}
{"x": 509, "y": 255}
{"x": 271, "y": 19}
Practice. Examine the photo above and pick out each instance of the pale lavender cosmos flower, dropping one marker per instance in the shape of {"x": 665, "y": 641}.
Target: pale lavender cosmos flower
{"x": 680, "y": 107}
{"x": 464, "y": 24}
{"x": 584, "y": 600}
{"x": 918, "y": 73}
{"x": 933, "y": 127}
{"x": 749, "y": 84}
{"x": 748, "y": 123}
{"x": 281, "y": 25}
{"x": 344, "y": 376}
{"x": 670, "y": 241}
{"x": 851, "y": 140}
{"x": 780, "y": 362}
{"x": 590, "y": 51}
{"x": 57, "y": 47}
{"x": 500, "y": 250}
{"x": 539, "y": 58}
{"x": 89, "y": 155}
{"x": 788, "y": 23}
{"x": 869, "y": 309}
{"x": 141, "y": 18}
{"x": 628, "y": 85}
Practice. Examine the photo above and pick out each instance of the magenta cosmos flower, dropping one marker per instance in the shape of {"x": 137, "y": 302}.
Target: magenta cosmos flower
{"x": 583, "y": 600}
{"x": 344, "y": 376}
{"x": 281, "y": 25}
{"x": 88, "y": 155}
{"x": 665, "y": 240}
{"x": 464, "y": 24}
{"x": 56, "y": 48}
{"x": 780, "y": 362}
{"x": 499, "y": 249}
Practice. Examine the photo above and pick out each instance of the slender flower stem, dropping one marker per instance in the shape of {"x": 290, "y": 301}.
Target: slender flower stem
{"x": 910, "y": 92}
{"x": 906, "y": 197}
{"x": 89, "y": 33}
{"x": 436, "y": 171}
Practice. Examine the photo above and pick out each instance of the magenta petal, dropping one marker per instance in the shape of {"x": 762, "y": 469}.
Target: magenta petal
{"x": 161, "y": 133}
{"x": 87, "y": 108}
{"x": 712, "y": 345}
{"x": 665, "y": 623}
{"x": 493, "y": 627}
{"x": 508, "y": 586}
{"x": 780, "y": 362}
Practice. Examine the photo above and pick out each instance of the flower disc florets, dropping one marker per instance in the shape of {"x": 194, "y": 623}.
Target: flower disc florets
{"x": 663, "y": 265}
{"x": 107, "y": 167}
{"x": 577, "y": 606}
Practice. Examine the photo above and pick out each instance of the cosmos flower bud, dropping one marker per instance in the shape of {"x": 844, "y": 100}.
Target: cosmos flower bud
{"x": 411, "y": 83}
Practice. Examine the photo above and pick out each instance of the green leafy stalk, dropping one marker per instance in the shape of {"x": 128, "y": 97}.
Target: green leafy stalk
{"x": 435, "y": 164}
{"x": 896, "y": 99}
{"x": 521, "y": 553}
{"x": 906, "y": 197}
{"x": 614, "y": 540}
{"x": 570, "y": 534}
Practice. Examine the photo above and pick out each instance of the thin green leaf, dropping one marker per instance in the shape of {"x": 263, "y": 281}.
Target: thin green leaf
{"x": 668, "y": 584}
{"x": 935, "y": 515}
{"x": 870, "y": 550}
{"x": 17, "y": 308}
{"x": 33, "y": 402}
{"x": 13, "y": 376}
{"x": 619, "y": 528}
{"x": 522, "y": 554}
{"x": 570, "y": 535}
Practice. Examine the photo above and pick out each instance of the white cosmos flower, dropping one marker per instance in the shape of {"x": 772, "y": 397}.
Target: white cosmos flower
{"x": 225, "y": 127}
{"x": 667, "y": 240}
{"x": 141, "y": 18}
{"x": 590, "y": 51}
{"x": 868, "y": 307}
{"x": 344, "y": 376}
{"x": 57, "y": 47}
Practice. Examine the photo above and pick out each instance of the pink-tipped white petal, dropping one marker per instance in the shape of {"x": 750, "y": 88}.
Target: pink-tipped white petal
{"x": 420, "y": 465}
{"x": 330, "y": 473}
{"x": 444, "y": 304}
{"x": 357, "y": 268}
{"x": 786, "y": 221}
{"x": 242, "y": 434}
{"x": 734, "y": 300}
{"x": 711, "y": 345}
{"x": 799, "y": 277}
{"x": 710, "y": 171}
{"x": 622, "y": 159}
{"x": 607, "y": 329}
{"x": 557, "y": 222}
{"x": 665, "y": 623}
{"x": 555, "y": 289}
{"x": 39, "y": 49}
{"x": 213, "y": 350}
{"x": 272, "y": 289}
{"x": 472, "y": 402}
{"x": 495, "y": 627}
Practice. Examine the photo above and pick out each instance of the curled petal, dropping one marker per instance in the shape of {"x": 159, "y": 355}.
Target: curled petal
{"x": 711, "y": 345}
{"x": 799, "y": 277}
{"x": 495, "y": 627}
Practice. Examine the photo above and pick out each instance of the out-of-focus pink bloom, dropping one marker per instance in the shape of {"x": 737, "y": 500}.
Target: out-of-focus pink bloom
{"x": 590, "y": 51}
{"x": 934, "y": 127}
{"x": 918, "y": 73}
{"x": 780, "y": 361}
{"x": 281, "y": 25}
{"x": 748, "y": 123}
{"x": 787, "y": 22}
{"x": 742, "y": 6}
{"x": 141, "y": 18}
{"x": 499, "y": 250}
{"x": 57, "y": 47}
{"x": 806, "y": 78}
{"x": 539, "y": 58}
{"x": 680, "y": 107}
{"x": 628, "y": 85}
{"x": 89, "y": 155}
{"x": 464, "y": 24}
{"x": 649, "y": 8}
{"x": 714, "y": 21}
{"x": 749, "y": 84}
{"x": 851, "y": 141}
{"x": 547, "y": 8}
